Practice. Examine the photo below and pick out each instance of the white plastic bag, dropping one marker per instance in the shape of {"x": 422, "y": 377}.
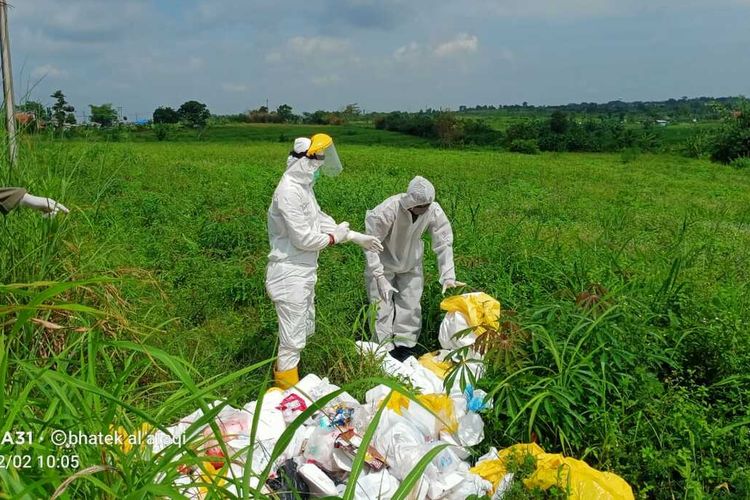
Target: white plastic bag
{"x": 320, "y": 484}
{"x": 377, "y": 393}
{"x": 471, "y": 484}
{"x": 321, "y": 443}
{"x": 470, "y": 429}
{"x": 400, "y": 442}
{"x": 420, "y": 377}
{"x": 453, "y": 323}
{"x": 296, "y": 445}
{"x": 379, "y": 485}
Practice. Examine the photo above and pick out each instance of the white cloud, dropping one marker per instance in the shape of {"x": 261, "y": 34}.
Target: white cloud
{"x": 462, "y": 44}
{"x": 235, "y": 87}
{"x": 317, "y": 45}
{"x": 48, "y": 70}
{"x": 274, "y": 57}
{"x": 408, "y": 52}
{"x": 323, "y": 81}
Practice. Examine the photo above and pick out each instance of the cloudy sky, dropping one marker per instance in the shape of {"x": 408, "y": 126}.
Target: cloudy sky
{"x": 384, "y": 55}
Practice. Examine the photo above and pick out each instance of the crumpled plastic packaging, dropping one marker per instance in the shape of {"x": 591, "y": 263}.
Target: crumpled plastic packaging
{"x": 379, "y": 485}
{"x": 319, "y": 456}
{"x": 319, "y": 483}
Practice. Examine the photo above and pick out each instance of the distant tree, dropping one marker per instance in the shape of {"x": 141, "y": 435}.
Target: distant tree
{"x": 165, "y": 114}
{"x": 732, "y": 141}
{"x": 104, "y": 114}
{"x": 40, "y": 112}
{"x": 71, "y": 119}
{"x": 61, "y": 109}
{"x": 448, "y": 128}
{"x": 319, "y": 117}
{"x": 285, "y": 113}
{"x": 558, "y": 122}
{"x": 350, "y": 111}
{"x": 194, "y": 114}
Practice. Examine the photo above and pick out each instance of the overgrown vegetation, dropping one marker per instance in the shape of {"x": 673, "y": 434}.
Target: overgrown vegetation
{"x": 629, "y": 282}
{"x": 442, "y": 127}
{"x": 732, "y": 140}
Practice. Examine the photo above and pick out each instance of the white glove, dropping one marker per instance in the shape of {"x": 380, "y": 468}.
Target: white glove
{"x": 385, "y": 289}
{"x": 451, "y": 284}
{"x": 367, "y": 242}
{"x": 46, "y": 205}
{"x": 339, "y": 234}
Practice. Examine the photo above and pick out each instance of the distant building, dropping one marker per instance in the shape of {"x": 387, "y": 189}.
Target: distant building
{"x": 142, "y": 121}
{"x": 662, "y": 123}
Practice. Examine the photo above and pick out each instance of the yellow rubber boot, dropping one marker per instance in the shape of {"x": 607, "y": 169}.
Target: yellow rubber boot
{"x": 286, "y": 379}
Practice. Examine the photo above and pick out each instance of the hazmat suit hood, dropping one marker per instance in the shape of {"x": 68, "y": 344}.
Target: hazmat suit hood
{"x": 420, "y": 192}
{"x": 302, "y": 169}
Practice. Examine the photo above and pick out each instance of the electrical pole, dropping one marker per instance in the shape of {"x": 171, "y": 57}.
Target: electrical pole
{"x": 10, "y": 115}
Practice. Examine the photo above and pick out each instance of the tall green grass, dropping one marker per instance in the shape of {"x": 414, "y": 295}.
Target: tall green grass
{"x": 165, "y": 249}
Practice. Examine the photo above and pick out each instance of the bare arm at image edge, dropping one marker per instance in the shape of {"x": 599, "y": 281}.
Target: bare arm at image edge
{"x": 10, "y": 197}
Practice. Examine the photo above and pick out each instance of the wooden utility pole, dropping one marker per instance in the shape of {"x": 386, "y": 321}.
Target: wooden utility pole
{"x": 10, "y": 115}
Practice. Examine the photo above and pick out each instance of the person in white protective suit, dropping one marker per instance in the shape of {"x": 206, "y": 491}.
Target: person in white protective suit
{"x": 297, "y": 231}
{"x": 394, "y": 277}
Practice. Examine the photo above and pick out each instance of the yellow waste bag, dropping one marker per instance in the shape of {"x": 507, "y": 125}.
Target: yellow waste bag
{"x": 553, "y": 469}
{"x": 397, "y": 402}
{"x": 442, "y": 406}
{"x": 439, "y": 404}
{"x": 478, "y": 309}
{"x": 432, "y": 363}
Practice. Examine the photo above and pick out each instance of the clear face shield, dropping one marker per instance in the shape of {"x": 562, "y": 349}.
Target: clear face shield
{"x": 322, "y": 149}
{"x": 331, "y": 162}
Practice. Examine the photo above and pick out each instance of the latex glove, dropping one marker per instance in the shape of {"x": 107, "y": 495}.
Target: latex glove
{"x": 451, "y": 284}
{"x": 385, "y": 289}
{"x": 367, "y": 242}
{"x": 48, "y": 206}
{"x": 341, "y": 232}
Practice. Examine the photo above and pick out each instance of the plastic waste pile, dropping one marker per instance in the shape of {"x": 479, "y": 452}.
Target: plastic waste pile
{"x": 318, "y": 460}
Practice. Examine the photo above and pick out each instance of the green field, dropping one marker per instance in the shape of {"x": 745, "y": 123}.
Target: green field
{"x": 652, "y": 383}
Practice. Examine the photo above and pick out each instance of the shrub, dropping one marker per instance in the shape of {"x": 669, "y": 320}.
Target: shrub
{"x": 525, "y": 146}
{"x": 733, "y": 140}
{"x": 741, "y": 162}
{"x": 697, "y": 145}
{"x": 160, "y": 131}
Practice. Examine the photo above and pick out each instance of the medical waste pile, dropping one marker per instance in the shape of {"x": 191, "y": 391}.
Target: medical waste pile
{"x": 319, "y": 458}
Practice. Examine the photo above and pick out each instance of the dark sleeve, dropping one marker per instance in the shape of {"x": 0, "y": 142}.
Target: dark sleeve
{"x": 9, "y": 198}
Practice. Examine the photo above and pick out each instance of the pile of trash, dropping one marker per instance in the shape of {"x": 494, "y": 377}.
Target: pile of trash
{"x": 319, "y": 459}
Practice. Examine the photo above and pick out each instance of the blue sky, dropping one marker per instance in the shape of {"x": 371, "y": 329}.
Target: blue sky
{"x": 384, "y": 55}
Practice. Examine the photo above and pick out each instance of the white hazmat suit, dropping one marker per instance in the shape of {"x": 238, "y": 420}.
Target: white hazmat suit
{"x": 399, "y": 266}
{"x": 297, "y": 230}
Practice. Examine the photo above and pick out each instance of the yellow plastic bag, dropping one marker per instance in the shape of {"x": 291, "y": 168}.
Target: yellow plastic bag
{"x": 397, "y": 402}
{"x": 477, "y": 308}
{"x": 553, "y": 469}
{"x": 442, "y": 406}
{"x": 432, "y": 363}
{"x": 439, "y": 404}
